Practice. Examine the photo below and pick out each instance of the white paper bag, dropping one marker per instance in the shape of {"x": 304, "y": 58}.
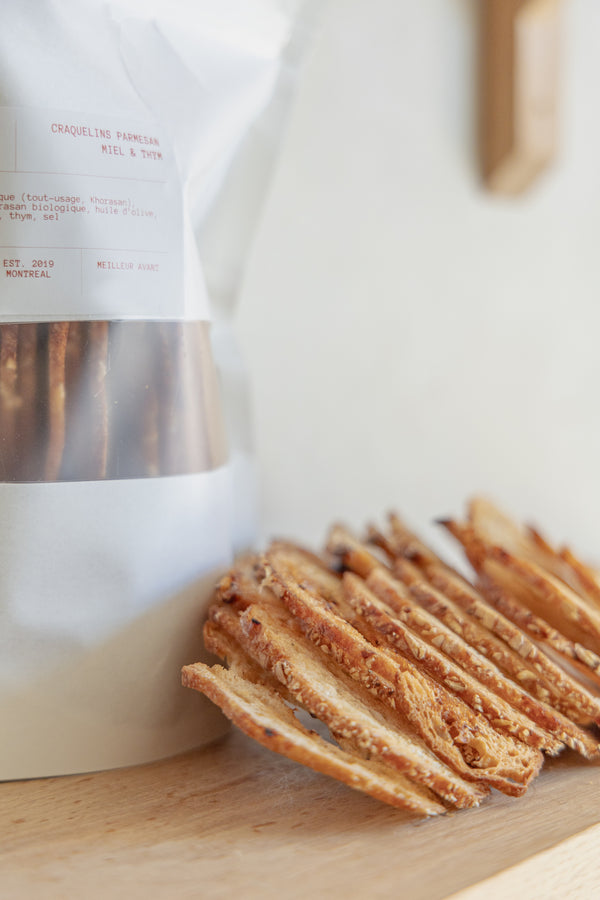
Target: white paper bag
{"x": 135, "y": 144}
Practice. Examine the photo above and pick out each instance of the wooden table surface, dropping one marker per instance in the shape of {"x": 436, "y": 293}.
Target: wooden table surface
{"x": 236, "y": 821}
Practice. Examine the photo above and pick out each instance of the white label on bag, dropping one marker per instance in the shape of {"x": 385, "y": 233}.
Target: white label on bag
{"x": 91, "y": 219}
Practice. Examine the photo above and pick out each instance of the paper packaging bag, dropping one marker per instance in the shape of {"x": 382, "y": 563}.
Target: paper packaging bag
{"x": 135, "y": 144}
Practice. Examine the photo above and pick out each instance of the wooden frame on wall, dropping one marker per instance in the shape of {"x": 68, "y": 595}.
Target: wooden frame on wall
{"x": 519, "y": 44}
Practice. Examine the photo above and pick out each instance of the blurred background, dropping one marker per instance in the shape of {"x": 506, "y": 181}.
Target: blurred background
{"x": 412, "y": 339}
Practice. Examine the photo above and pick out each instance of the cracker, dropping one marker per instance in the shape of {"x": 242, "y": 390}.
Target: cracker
{"x": 28, "y": 466}
{"x": 268, "y": 633}
{"x": 411, "y": 666}
{"x": 350, "y": 552}
{"x": 224, "y": 645}
{"x": 532, "y": 722}
{"x": 457, "y": 735}
{"x": 97, "y": 363}
{"x": 403, "y": 543}
{"x": 493, "y": 688}
{"x": 514, "y": 599}
{"x": 312, "y": 572}
{"x": 554, "y": 601}
{"x": 565, "y": 693}
{"x": 530, "y": 598}
{"x": 495, "y": 527}
{"x": 57, "y": 349}
{"x": 76, "y": 429}
{"x": 262, "y": 715}
{"x": 372, "y": 599}
{"x": 9, "y": 400}
{"x": 472, "y": 645}
{"x": 464, "y": 609}
{"x": 540, "y": 579}
{"x": 583, "y": 577}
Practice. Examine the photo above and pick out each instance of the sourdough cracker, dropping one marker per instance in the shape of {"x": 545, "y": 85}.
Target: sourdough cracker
{"x": 406, "y": 600}
{"x": 57, "y": 350}
{"x": 9, "y": 398}
{"x": 514, "y": 600}
{"x": 98, "y": 369}
{"x": 371, "y": 598}
{"x": 456, "y": 734}
{"x": 529, "y": 598}
{"x": 221, "y": 643}
{"x": 526, "y": 542}
{"x": 262, "y": 715}
{"x": 552, "y": 684}
{"x": 494, "y": 527}
{"x": 584, "y": 579}
{"x": 475, "y": 643}
{"x": 378, "y": 780}
{"x": 405, "y": 661}
{"x": 465, "y": 610}
{"x": 269, "y": 635}
{"x": 28, "y": 414}
{"x": 350, "y": 552}
{"x": 542, "y": 575}
{"x": 551, "y": 599}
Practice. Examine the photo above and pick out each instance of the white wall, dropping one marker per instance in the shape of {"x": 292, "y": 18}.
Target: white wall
{"x": 410, "y": 338}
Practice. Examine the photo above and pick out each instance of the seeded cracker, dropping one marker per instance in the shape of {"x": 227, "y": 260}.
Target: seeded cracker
{"x": 402, "y": 659}
{"x": 514, "y": 600}
{"x": 565, "y": 693}
{"x": 553, "y": 582}
{"x": 456, "y": 734}
{"x": 269, "y": 634}
{"x": 464, "y": 609}
{"x": 500, "y": 715}
{"x": 262, "y": 715}
{"x": 528, "y": 597}
{"x": 98, "y": 367}
{"x": 494, "y": 527}
{"x": 76, "y": 430}
{"x": 405, "y": 624}
{"x": 27, "y": 466}
{"x": 524, "y": 691}
{"x": 378, "y": 780}
{"x": 57, "y": 349}
{"x": 584, "y": 578}
{"x": 9, "y": 399}
{"x": 470, "y": 645}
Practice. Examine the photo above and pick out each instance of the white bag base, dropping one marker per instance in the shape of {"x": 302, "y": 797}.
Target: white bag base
{"x": 93, "y": 640}
{"x": 117, "y": 704}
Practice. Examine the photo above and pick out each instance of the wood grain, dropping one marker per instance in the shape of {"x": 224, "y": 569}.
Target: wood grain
{"x": 233, "y": 820}
{"x": 569, "y": 870}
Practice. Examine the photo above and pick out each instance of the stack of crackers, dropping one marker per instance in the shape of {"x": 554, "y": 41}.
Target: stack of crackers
{"x": 431, "y": 689}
